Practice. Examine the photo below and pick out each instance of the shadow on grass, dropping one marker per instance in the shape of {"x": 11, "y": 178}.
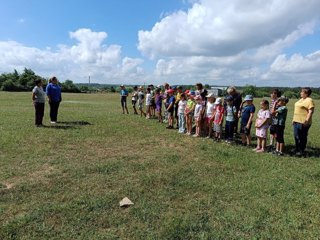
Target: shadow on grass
{"x": 310, "y": 151}
{"x": 68, "y": 125}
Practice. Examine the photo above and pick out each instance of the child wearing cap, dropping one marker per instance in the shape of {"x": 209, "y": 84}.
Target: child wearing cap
{"x": 218, "y": 119}
{"x": 210, "y": 112}
{"x": 197, "y": 113}
{"x": 262, "y": 125}
{"x": 246, "y": 114}
{"x": 279, "y": 112}
{"x": 189, "y": 112}
{"x": 181, "y": 109}
{"x": 230, "y": 113}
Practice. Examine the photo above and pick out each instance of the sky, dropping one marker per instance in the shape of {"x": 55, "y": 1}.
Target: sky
{"x": 216, "y": 42}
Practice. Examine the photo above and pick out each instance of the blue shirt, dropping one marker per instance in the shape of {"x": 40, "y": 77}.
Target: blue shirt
{"x": 124, "y": 92}
{"x": 171, "y": 100}
{"x": 246, "y": 111}
{"x": 54, "y": 92}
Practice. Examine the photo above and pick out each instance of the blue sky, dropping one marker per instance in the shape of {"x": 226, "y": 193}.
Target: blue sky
{"x": 272, "y": 43}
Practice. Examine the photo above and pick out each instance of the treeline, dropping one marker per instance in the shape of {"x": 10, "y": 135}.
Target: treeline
{"x": 16, "y": 82}
{"x": 19, "y": 82}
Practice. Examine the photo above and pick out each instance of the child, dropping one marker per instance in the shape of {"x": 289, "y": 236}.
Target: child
{"x": 274, "y": 95}
{"x": 170, "y": 108}
{"x": 262, "y": 125}
{"x": 181, "y": 109}
{"x": 158, "y": 101}
{"x": 148, "y": 103}
{"x": 197, "y": 113}
{"x": 230, "y": 113}
{"x": 279, "y": 112}
{"x": 246, "y": 113}
{"x": 140, "y": 101}
{"x": 134, "y": 98}
{"x": 209, "y": 113}
{"x": 189, "y": 112}
{"x": 218, "y": 119}
{"x": 124, "y": 94}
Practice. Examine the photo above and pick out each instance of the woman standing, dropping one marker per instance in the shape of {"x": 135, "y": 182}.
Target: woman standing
{"x": 54, "y": 95}
{"x": 302, "y": 119}
{"x": 38, "y": 99}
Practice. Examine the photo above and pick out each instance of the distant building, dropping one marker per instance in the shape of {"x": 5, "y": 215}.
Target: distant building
{"x": 217, "y": 91}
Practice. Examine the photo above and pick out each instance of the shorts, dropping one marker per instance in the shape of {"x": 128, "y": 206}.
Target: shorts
{"x": 279, "y": 133}
{"x": 217, "y": 128}
{"x": 244, "y": 129}
{"x": 158, "y": 108}
{"x": 273, "y": 129}
{"x": 140, "y": 105}
{"x": 134, "y": 102}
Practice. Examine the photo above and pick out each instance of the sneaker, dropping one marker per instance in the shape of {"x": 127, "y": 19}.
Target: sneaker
{"x": 256, "y": 149}
{"x": 280, "y": 153}
{"x": 188, "y": 133}
{"x": 195, "y": 135}
{"x": 169, "y": 127}
{"x": 53, "y": 122}
{"x": 275, "y": 152}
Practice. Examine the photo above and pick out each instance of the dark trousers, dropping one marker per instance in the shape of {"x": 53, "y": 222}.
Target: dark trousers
{"x": 39, "y": 107}
{"x": 300, "y": 136}
{"x": 229, "y": 130}
{"x": 54, "y": 106}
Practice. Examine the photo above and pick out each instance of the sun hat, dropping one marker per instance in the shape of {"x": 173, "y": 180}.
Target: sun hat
{"x": 229, "y": 98}
{"x": 187, "y": 91}
{"x": 210, "y": 95}
{"x": 248, "y": 98}
{"x": 218, "y": 101}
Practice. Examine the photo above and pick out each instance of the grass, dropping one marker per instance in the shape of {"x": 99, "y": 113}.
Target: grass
{"x": 65, "y": 182}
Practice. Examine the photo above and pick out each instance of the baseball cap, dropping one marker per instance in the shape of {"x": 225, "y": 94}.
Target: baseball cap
{"x": 248, "y": 98}
{"x": 218, "y": 101}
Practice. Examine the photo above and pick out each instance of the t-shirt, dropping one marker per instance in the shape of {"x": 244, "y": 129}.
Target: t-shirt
{"x": 182, "y": 106}
{"x": 40, "y": 95}
{"x": 140, "y": 96}
{"x": 209, "y": 109}
{"x": 246, "y": 111}
{"x": 219, "y": 112}
{"x": 301, "y": 109}
{"x": 197, "y": 110}
{"x": 190, "y": 104}
{"x": 134, "y": 96}
{"x": 124, "y": 92}
{"x": 273, "y": 102}
{"x": 158, "y": 99}
{"x": 281, "y": 116}
{"x": 148, "y": 99}
{"x": 170, "y": 100}
{"x": 230, "y": 113}
{"x": 54, "y": 92}
{"x": 263, "y": 115}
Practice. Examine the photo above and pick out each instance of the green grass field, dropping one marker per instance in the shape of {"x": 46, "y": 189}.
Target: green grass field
{"x": 66, "y": 181}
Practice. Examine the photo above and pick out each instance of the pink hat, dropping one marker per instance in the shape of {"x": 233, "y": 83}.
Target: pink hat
{"x": 170, "y": 91}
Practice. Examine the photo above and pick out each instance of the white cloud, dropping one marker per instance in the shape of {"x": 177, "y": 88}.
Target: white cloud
{"x": 229, "y": 42}
{"x": 224, "y": 28}
{"x": 89, "y": 56}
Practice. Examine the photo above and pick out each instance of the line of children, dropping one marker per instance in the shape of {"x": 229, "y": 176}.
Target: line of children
{"x": 190, "y": 106}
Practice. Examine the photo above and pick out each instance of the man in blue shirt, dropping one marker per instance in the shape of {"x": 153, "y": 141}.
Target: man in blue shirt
{"x": 53, "y": 91}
